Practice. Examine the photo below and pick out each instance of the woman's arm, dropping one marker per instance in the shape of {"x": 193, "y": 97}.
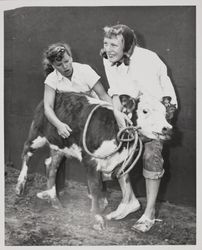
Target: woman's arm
{"x": 117, "y": 103}
{"x": 49, "y": 100}
{"x": 121, "y": 118}
{"x": 100, "y": 91}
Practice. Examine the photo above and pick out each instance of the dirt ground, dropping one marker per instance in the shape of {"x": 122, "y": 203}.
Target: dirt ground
{"x": 32, "y": 222}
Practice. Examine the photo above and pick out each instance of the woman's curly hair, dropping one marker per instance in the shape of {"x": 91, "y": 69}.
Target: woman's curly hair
{"x": 130, "y": 40}
{"x": 54, "y": 52}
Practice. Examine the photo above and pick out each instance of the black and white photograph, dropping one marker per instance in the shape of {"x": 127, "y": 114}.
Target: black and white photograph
{"x": 99, "y": 124}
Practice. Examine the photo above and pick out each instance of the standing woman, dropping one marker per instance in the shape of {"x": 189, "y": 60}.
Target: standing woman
{"x": 133, "y": 70}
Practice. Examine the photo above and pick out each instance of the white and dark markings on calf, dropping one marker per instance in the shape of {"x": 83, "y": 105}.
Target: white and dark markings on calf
{"x": 108, "y": 164}
{"x": 101, "y": 138}
{"x": 73, "y": 151}
{"x": 73, "y": 109}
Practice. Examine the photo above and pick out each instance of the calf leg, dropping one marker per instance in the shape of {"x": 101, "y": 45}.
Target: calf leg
{"x": 95, "y": 188}
{"x": 20, "y": 187}
{"x": 60, "y": 177}
{"x": 129, "y": 202}
{"x": 33, "y": 142}
{"x": 50, "y": 194}
{"x": 103, "y": 202}
{"x": 47, "y": 164}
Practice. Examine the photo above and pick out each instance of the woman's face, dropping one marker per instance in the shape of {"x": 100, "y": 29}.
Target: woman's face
{"x": 64, "y": 66}
{"x": 114, "y": 47}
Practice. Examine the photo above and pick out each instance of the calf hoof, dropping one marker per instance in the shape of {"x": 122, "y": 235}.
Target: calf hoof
{"x": 20, "y": 187}
{"x": 103, "y": 203}
{"x": 100, "y": 224}
{"x": 45, "y": 195}
{"x": 55, "y": 203}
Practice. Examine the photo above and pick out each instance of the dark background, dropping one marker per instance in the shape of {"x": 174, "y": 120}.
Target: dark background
{"x": 167, "y": 30}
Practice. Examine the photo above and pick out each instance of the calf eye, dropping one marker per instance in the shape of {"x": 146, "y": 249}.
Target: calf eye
{"x": 145, "y": 111}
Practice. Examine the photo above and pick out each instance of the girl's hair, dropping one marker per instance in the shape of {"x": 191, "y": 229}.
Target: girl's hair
{"x": 54, "y": 52}
{"x": 130, "y": 40}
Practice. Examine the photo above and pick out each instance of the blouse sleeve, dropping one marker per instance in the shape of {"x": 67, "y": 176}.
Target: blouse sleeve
{"x": 50, "y": 81}
{"x": 91, "y": 77}
{"x": 166, "y": 84}
{"x": 111, "y": 78}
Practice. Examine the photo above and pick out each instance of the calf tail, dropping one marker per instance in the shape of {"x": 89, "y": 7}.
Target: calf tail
{"x": 40, "y": 119}
{"x": 36, "y": 128}
{"x": 33, "y": 133}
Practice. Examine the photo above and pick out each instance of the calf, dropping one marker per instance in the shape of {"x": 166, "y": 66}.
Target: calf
{"x": 101, "y": 139}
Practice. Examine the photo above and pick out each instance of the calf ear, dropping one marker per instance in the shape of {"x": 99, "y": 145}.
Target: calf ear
{"x": 133, "y": 103}
{"x": 124, "y": 98}
{"x": 170, "y": 112}
{"x": 166, "y": 100}
{"x": 128, "y": 102}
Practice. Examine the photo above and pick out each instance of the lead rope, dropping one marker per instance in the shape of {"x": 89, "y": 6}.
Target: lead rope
{"x": 121, "y": 139}
{"x": 84, "y": 137}
{"x": 121, "y": 172}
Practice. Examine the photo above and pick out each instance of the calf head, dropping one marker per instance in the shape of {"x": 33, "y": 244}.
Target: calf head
{"x": 149, "y": 114}
{"x": 151, "y": 118}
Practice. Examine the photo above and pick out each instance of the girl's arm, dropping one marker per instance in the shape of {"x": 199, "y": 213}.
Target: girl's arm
{"x": 49, "y": 100}
{"x": 100, "y": 91}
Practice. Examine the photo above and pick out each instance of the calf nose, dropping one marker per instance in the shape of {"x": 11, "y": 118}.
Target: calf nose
{"x": 166, "y": 130}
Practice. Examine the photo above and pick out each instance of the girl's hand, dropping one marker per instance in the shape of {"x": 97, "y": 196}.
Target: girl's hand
{"x": 64, "y": 130}
{"x": 117, "y": 103}
{"x": 122, "y": 119}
